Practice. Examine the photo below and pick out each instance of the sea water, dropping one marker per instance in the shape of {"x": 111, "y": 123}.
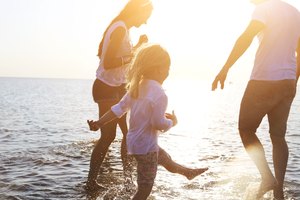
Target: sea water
{"x": 45, "y": 143}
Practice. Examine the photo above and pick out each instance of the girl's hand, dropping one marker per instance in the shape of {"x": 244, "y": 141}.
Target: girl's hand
{"x": 93, "y": 125}
{"x": 172, "y": 117}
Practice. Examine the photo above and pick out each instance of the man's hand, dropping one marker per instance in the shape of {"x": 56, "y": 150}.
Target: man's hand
{"x": 172, "y": 117}
{"x": 221, "y": 77}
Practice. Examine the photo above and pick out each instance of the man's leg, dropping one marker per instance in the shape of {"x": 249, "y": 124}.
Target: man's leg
{"x": 256, "y": 152}
{"x": 278, "y": 118}
{"x": 280, "y": 160}
{"x": 256, "y": 103}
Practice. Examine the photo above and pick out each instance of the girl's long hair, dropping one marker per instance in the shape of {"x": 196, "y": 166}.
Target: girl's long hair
{"x": 147, "y": 57}
{"x": 129, "y": 10}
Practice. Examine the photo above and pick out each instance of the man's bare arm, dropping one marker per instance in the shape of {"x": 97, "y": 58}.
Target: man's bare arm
{"x": 241, "y": 45}
{"x": 298, "y": 60}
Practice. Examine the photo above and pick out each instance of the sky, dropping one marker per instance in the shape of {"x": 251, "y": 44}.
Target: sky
{"x": 60, "y": 38}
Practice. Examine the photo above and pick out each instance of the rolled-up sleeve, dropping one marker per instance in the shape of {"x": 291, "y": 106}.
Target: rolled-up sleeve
{"x": 159, "y": 121}
{"x": 122, "y": 107}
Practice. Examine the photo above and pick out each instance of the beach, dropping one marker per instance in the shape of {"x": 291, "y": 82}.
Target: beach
{"x": 46, "y": 144}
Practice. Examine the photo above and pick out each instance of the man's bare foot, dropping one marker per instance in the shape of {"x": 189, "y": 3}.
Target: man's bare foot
{"x": 192, "y": 173}
{"x": 266, "y": 186}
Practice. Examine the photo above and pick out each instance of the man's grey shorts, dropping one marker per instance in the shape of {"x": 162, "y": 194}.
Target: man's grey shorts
{"x": 271, "y": 98}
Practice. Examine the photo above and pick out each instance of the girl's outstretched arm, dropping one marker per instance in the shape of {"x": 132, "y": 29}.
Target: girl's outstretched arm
{"x": 107, "y": 117}
{"x": 116, "y": 111}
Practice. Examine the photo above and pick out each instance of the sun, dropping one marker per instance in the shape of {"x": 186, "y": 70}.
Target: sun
{"x": 196, "y": 33}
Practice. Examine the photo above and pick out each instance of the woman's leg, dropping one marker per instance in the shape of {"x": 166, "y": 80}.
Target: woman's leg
{"x": 108, "y": 134}
{"x": 127, "y": 166}
{"x": 123, "y": 126}
{"x": 126, "y": 160}
{"x": 142, "y": 193}
{"x": 166, "y": 161}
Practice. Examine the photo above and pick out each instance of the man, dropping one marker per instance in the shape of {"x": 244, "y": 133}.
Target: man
{"x": 272, "y": 85}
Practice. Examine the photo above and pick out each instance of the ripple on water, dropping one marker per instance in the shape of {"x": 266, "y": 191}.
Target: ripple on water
{"x": 60, "y": 172}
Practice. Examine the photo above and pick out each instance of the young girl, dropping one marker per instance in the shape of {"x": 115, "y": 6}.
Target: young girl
{"x": 147, "y": 103}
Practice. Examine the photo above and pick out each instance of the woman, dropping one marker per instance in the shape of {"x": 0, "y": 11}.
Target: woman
{"x": 115, "y": 53}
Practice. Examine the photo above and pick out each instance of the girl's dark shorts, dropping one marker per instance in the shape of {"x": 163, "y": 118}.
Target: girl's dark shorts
{"x": 146, "y": 169}
{"x": 271, "y": 98}
{"x": 102, "y": 91}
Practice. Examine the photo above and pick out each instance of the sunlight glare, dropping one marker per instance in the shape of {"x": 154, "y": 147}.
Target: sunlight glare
{"x": 197, "y": 33}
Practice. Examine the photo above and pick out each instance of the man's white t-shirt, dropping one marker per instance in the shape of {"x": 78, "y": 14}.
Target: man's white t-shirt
{"x": 276, "y": 56}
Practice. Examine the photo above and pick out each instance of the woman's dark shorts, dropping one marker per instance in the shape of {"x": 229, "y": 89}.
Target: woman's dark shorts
{"x": 102, "y": 91}
{"x": 271, "y": 98}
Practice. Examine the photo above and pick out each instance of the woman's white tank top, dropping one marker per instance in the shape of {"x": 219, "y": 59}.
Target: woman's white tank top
{"x": 115, "y": 76}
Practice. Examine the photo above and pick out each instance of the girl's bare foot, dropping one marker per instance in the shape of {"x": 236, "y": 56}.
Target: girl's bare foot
{"x": 192, "y": 173}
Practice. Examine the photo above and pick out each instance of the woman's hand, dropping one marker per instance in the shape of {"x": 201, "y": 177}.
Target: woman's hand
{"x": 172, "y": 117}
{"x": 143, "y": 39}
